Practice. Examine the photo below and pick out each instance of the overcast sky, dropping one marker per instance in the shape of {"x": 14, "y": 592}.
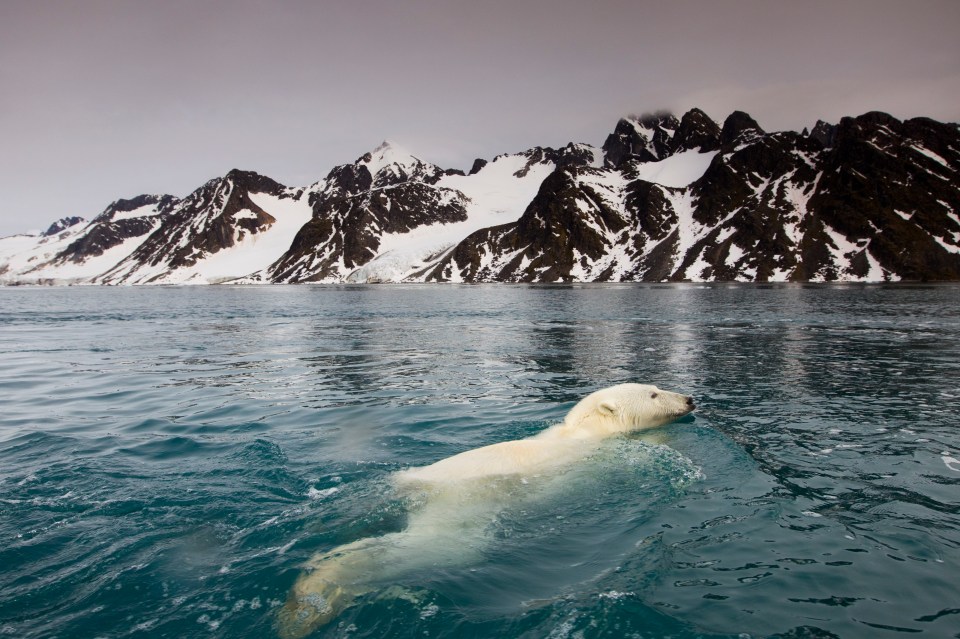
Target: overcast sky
{"x": 113, "y": 98}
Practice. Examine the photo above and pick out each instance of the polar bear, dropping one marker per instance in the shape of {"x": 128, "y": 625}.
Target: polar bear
{"x": 455, "y": 498}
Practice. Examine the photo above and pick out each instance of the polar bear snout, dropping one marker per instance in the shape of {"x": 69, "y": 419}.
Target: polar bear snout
{"x": 687, "y": 405}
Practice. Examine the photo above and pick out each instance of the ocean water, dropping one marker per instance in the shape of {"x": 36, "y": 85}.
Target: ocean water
{"x": 171, "y": 457}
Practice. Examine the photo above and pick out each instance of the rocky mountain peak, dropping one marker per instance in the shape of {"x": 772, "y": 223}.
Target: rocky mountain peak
{"x": 158, "y": 204}
{"x": 644, "y": 138}
{"x": 390, "y": 164}
{"x": 739, "y": 128}
{"x": 657, "y": 120}
{"x": 824, "y": 133}
{"x": 570, "y": 155}
{"x": 696, "y": 131}
{"x": 254, "y": 182}
{"x": 478, "y": 164}
{"x": 62, "y": 225}
{"x": 654, "y": 137}
{"x": 347, "y": 178}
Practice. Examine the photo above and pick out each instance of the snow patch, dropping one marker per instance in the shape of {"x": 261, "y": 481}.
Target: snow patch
{"x": 244, "y": 214}
{"x": 841, "y": 249}
{"x": 143, "y": 211}
{"x": 678, "y": 170}
{"x": 875, "y": 273}
{"x": 955, "y": 247}
{"x": 930, "y": 154}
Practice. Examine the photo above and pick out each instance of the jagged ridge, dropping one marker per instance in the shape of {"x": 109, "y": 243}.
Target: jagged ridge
{"x": 869, "y": 198}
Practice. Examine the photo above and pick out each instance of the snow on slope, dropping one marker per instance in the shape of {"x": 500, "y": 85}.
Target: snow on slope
{"x": 496, "y": 195}
{"x": 678, "y": 170}
{"x": 21, "y": 256}
{"x": 843, "y": 251}
{"x": 252, "y": 252}
{"x": 610, "y": 187}
{"x": 15, "y": 254}
{"x": 143, "y": 211}
{"x": 89, "y": 269}
{"x": 688, "y": 231}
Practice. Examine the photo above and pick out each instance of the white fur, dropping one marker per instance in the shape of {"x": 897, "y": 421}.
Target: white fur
{"x": 459, "y": 495}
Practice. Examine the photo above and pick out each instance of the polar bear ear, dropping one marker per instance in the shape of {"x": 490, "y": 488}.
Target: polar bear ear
{"x": 607, "y": 408}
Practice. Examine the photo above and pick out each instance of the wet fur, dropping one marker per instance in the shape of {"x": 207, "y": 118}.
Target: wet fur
{"x": 458, "y": 495}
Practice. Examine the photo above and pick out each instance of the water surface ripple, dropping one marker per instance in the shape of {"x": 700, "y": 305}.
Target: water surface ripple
{"x": 169, "y": 458}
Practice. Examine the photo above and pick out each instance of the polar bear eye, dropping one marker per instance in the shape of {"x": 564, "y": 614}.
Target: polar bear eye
{"x": 653, "y": 395}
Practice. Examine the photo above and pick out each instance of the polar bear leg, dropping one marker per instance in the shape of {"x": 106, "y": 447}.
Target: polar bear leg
{"x": 446, "y": 530}
{"x": 327, "y": 588}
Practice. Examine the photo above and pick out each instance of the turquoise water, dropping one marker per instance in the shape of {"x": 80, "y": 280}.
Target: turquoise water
{"x": 170, "y": 457}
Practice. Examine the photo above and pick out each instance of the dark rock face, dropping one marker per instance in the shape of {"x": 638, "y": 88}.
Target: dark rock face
{"x": 478, "y": 164}
{"x": 870, "y": 198}
{"x": 104, "y": 236}
{"x": 619, "y": 147}
{"x": 890, "y": 187}
{"x": 824, "y": 133}
{"x": 218, "y": 203}
{"x": 739, "y": 128}
{"x": 642, "y": 139}
{"x": 351, "y": 178}
{"x": 570, "y": 155}
{"x": 847, "y": 201}
{"x": 111, "y": 228}
{"x": 696, "y": 131}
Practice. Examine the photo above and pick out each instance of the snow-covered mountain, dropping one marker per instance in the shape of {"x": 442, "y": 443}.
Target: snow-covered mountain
{"x": 72, "y": 250}
{"x": 223, "y": 230}
{"x": 373, "y": 222}
{"x": 871, "y": 198}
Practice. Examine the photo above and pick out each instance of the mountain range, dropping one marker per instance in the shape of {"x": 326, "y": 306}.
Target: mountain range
{"x": 870, "y": 198}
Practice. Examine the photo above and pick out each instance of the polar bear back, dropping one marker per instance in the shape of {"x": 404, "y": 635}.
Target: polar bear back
{"x": 521, "y": 456}
{"x": 607, "y": 412}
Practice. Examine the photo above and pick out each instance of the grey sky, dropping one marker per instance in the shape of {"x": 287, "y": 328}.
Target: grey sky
{"x": 112, "y": 98}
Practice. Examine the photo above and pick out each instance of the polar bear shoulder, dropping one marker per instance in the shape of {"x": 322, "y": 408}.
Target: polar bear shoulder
{"x": 519, "y": 456}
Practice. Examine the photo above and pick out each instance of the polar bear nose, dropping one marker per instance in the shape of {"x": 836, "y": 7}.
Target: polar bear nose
{"x": 690, "y": 403}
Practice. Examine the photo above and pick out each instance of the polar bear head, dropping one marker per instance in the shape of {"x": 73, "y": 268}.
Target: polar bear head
{"x": 623, "y": 408}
